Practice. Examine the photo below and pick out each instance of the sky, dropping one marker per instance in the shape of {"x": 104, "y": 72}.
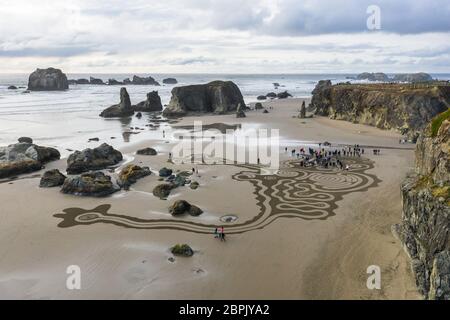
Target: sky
{"x": 225, "y": 36}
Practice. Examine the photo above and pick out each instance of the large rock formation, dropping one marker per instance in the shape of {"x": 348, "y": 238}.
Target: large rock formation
{"x": 24, "y": 157}
{"x": 413, "y": 77}
{"x": 123, "y": 109}
{"x": 93, "y": 159}
{"x": 378, "y": 76}
{"x": 405, "y": 107}
{"x": 425, "y": 227}
{"x": 144, "y": 81}
{"x": 50, "y": 79}
{"x": 217, "y": 97}
{"x": 153, "y": 103}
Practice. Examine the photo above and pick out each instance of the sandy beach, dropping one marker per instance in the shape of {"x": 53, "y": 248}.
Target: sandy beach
{"x": 271, "y": 253}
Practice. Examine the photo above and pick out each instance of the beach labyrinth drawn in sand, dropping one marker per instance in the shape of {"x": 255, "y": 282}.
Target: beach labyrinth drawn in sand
{"x": 308, "y": 193}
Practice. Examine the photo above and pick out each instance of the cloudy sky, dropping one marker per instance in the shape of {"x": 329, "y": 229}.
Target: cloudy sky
{"x": 224, "y": 36}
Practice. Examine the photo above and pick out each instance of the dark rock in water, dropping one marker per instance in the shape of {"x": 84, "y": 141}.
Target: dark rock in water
{"x": 93, "y": 159}
{"x": 52, "y": 178}
{"x": 147, "y": 152}
{"x": 265, "y": 111}
{"x": 138, "y": 115}
{"x": 24, "y": 158}
{"x": 170, "y": 81}
{"x": 152, "y": 104}
{"x": 217, "y": 97}
{"x": 165, "y": 172}
{"x": 93, "y": 140}
{"x": 127, "y": 81}
{"x": 91, "y": 184}
{"x": 379, "y": 76}
{"x": 25, "y": 140}
{"x": 261, "y": 98}
{"x": 123, "y": 109}
{"x": 181, "y": 207}
{"x": 194, "y": 185}
{"x": 12, "y": 88}
{"x": 276, "y": 84}
{"x": 284, "y": 95}
{"x": 258, "y": 106}
{"x": 144, "y": 81}
{"x": 413, "y": 77}
{"x": 182, "y": 250}
{"x": 96, "y": 81}
{"x": 271, "y": 95}
{"x": 82, "y": 81}
{"x": 114, "y": 82}
{"x": 240, "y": 112}
{"x": 131, "y": 174}
{"x": 162, "y": 191}
{"x": 50, "y": 79}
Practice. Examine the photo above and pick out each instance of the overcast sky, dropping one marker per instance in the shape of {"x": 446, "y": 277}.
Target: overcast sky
{"x": 224, "y": 36}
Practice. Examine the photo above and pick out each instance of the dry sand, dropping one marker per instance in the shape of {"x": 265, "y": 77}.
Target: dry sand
{"x": 287, "y": 259}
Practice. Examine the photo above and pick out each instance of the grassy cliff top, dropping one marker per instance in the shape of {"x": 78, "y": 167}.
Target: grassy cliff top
{"x": 394, "y": 86}
{"x": 437, "y": 122}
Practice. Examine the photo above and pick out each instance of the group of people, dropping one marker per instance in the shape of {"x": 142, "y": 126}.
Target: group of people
{"x": 219, "y": 233}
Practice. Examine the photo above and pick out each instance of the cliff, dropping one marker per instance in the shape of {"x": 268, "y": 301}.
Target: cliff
{"x": 424, "y": 230}
{"x": 404, "y": 107}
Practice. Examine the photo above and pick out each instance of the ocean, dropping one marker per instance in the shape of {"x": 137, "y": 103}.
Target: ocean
{"x": 67, "y": 120}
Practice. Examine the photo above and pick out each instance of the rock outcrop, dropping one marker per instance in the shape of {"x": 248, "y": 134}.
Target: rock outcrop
{"x": 131, "y": 174}
{"x": 425, "y": 227}
{"x": 123, "y": 109}
{"x": 24, "y": 157}
{"x": 52, "y": 178}
{"x": 96, "y": 81}
{"x": 217, "y": 97}
{"x": 404, "y": 107}
{"x": 147, "y": 152}
{"x": 181, "y": 207}
{"x": 91, "y": 184}
{"x": 144, "y": 81}
{"x": 93, "y": 159}
{"x": 152, "y": 104}
{"x": 182, "y": 250}
{"x": 413, "y": 77}
{"x": 163, "y": 190}
{"x": 50, "y": 79}
{"x": 378, "y": 76}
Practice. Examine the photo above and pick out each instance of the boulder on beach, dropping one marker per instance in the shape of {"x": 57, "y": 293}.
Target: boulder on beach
{"x": 123, "y": 109}
{"x": 96, "y": 81}
{"x": 180, "y": 207}
{"x": 24, "y": 157}
{"x": 182, "y": 250}
{"x": 170, "y": 81}
{"x": 52, "y": 178}
{"x": 12, "y": 88}
{"x": 93, "y": 159}
{"x": 165, "y": 172}
{"x": 240, "y": 112}
{"x": 144, "y": 81}
{"x": 50, "y": 79}
{"x": 271, "y": 95}
{"x": 284, "y": 95}
{"x": 162, "y": 191}
{"x": 258, "y": 106}
{"x": 91, "y": 184}
{"x": 152, "y": 104}
{"x": 25, "y": 140}
{"x": 147, "y": 152}
{"x": 217, "y": 97}
{"x": 131, "y": 174}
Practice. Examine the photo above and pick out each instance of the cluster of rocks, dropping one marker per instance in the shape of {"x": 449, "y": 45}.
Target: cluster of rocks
{"x": 273, "y": 95}
{"x": 425, "y": 227}
{"x": 218, "y": 97}
{"x": 125, "y": 109}
{"x": 24, "y": 157}
{"x": 136, "y": 80}
{"x": 172, "y": 181}
{"x": 403, "y": 107}
{"x": 403, "y": 77}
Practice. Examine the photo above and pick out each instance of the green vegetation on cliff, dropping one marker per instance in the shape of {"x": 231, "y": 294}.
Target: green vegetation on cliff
{"x": 437, "y": 122}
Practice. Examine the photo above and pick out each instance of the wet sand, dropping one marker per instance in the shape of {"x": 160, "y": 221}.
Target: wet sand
{"x": 287, "y": 258}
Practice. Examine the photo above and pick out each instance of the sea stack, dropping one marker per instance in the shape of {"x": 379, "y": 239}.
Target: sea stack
{"x": 50, "y": 79}
{"x": 153, "y": 103}
{"x": 123, "y": 109}
{"x": 218, "y": 97}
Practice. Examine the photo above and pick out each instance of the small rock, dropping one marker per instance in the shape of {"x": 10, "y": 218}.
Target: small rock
{"x": 12, "y": 88}
{"x": 182, "y": 206}
{"x": 147, "y": 152}
{"x": 165, "y": 172}
{"x": 162, "y": 191}
{"x": 182, "y": 250}
{"x": 52, "y": 178}
{"x": 25, "y": 140}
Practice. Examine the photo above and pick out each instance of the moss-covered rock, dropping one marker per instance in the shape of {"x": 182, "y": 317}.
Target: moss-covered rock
{"x": 182, "y": 250}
